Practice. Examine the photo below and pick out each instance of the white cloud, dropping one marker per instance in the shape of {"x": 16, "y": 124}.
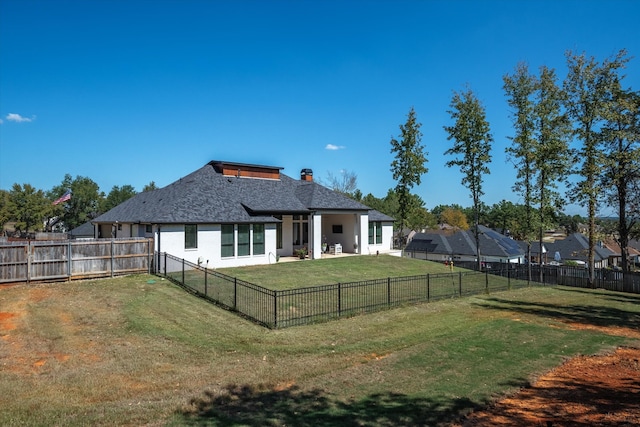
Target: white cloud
{"x": 334, "y": 147}
{"x": 13, "y": 117}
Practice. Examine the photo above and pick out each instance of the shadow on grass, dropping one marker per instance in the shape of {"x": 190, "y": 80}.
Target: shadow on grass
{"x": 618, "y": 296}
{"x": 585, "y": 314}
{"x": 266, "y": 406}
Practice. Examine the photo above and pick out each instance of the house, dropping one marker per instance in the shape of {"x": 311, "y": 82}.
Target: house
{"x": 461, "y": 246}
{"x": 228, "y": 214}
{"x": 534, "y": 250}
{"x": 84, "y": 231}
{"x": 615, "y": 259}
{"x": 575, "y": 247}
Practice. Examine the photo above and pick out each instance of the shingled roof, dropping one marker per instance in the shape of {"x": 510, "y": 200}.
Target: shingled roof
{"x": 208, "y": 195}
{"x": 492, "y": 243}
{"x": 576, "y": 247}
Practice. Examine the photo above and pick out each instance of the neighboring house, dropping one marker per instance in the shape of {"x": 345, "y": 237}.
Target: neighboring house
{"x": 461, "y": 246}
{"x": 575, "y": 247}
{"x": 615, "y": 259}
{"x": 535, "y": 252}
{"x": 635, "y": 244}
{"x": 229, "y": 214}
{"x": 85, "y": 231}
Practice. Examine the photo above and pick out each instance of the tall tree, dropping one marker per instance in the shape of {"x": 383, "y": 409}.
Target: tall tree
{"x": 408, "y": 165}
{"x": 588, "y": 87}
{"x": 29, "y": 207}
{"x": 84, "y": 204}
{"x": 455, "y": 218}
{"x": 150, "y": 187}
{"x": 346, "y": 182}
{"x": 5, "y": 212}
{"x": 520, "y": 89}
{"x": 472, "y": 147}
{"x": 551, "y": 156}
{"x": 503, "y": 216}
{"x": 621, "y": 141}
{"x": 116, "y": 196}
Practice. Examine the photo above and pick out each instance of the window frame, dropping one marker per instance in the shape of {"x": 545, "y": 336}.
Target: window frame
{"x": 190, "y": 236}
{"x": 244, "y": 240}
{"x": 258, "y": 244}
{"x": 224, "y": 242}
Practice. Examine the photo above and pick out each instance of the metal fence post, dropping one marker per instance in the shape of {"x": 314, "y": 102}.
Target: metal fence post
{"x": 460, "y": 282}
{"x": 508, "y": 278}
{"x": 183, "y": 272}
{"x": 389, "y": 291}
{"x": 275, "y": 309}
{"x": 205, "y": 282}
{"x": 486, "y": 280}
{"x": 339, "y": 299}
{"x": 235, "y": 293}
{"x": 428, "y": 286}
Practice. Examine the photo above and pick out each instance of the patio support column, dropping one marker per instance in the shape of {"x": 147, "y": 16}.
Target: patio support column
{"x": 315, "y": 232}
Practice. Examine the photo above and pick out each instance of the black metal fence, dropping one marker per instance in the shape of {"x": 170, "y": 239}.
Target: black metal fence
{"x": 283, "y": 308}
{"x": 576, "y": 276}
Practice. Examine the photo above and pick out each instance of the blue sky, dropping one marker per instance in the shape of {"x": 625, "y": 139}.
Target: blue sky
{"x": 129, "y": 92}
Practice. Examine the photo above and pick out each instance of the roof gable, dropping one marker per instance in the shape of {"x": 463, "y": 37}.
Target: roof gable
{"x": 212, "y": 194}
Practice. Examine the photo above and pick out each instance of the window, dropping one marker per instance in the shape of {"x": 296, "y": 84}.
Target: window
{"x": 190, "y": 236}
{"x": 337, "y": 229}
{"x": 258, "y": 239}
{"x": 227, "y": 241}
{"x": 300, "y": 230}
{"x": 372, "y": 232}
{"x": 148, "y": 228}
{"x": 243, "y": 240}
{"x": 375, "y": 232}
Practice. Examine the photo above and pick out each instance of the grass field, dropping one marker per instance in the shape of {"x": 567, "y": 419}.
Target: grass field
{"x": 288, "y": 275}
{"x": 139, "y": 350}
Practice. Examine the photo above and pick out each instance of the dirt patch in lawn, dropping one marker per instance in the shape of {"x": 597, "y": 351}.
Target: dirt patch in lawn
{"x": 602, "y": 390}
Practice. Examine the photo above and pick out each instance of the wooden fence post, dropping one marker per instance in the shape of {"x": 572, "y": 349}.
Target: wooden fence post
{"x": 69, "y": 257}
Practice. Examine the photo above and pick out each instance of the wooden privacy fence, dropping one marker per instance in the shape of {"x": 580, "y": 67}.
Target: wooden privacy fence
{"x": 32, "y": 261}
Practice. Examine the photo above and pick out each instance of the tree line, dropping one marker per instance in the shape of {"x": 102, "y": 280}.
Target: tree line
{"x": 31, "y": 209}
{"x": 590, "y": 108}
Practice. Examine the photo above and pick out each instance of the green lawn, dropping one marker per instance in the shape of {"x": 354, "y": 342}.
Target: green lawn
{"x": 298, "y": 274}
{"x": 139, "y": 350}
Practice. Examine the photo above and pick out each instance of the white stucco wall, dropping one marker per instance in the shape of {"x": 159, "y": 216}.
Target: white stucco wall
{"x": 387, "y": 239}
{"x": 209, "y": 246}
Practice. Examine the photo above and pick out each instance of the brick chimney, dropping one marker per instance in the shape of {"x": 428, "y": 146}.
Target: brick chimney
{"x": 306, "y": 175}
